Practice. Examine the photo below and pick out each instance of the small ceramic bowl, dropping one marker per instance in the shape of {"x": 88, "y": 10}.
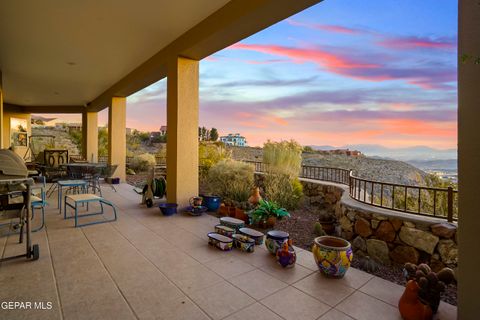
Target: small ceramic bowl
{"x": 224, "y": 230}
{"x": 254, "y": 234}
{"x": 219, "y": 241}
{"x": 243, "y": 243}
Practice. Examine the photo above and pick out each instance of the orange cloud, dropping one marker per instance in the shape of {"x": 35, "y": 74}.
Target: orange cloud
{"x": 420, "y": 127}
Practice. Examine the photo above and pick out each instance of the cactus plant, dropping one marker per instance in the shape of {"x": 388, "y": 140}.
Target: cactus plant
{"x": 431, "y": 284}
{"x": 318, "y": 229}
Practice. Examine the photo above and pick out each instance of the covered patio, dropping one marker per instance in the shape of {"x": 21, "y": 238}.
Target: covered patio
{"x": 147, "y": 266}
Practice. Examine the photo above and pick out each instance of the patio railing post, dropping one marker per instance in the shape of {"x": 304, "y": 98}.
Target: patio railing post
{"x": 450, "y": 204}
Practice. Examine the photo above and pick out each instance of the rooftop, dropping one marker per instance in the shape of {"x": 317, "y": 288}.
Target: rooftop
{"x": 147, "y": 266}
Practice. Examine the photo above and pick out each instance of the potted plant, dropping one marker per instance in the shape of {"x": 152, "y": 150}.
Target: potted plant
{"x": 327, "y": 220}
{"x": 267, "y": 213}
{"x": 423, "y": 289}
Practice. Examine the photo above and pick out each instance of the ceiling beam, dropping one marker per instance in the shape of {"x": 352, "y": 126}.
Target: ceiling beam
{"x": 43, "y": 109}
{"x": 235, "y": 21}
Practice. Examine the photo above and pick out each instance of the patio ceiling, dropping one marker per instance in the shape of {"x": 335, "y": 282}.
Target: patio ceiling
{"x": 55, "y": 53}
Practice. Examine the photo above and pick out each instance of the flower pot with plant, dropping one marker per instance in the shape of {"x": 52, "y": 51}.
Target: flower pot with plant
{"x": 267, "y": 213}
{"x": 424, "y": 286}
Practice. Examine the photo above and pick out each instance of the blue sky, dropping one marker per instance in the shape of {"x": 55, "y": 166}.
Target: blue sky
{"x": 341, "y": 72}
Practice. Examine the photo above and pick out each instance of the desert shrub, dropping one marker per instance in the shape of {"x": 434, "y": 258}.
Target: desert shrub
{"x": 283, "y": 160}
{"x": 232, "y": 180}
{"x": 283, "y": 157}
{"x": 142, "y": 162}
{"x": 210, "y": 154}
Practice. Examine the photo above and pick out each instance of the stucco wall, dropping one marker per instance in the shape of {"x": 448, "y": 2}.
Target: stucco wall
{"x": 7, "y": 115}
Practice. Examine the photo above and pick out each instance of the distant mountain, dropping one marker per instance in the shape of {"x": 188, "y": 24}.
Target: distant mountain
{"x": 323, "y": 148}
{"x": 423, "y": 153}
{"x": 450, "y": 164}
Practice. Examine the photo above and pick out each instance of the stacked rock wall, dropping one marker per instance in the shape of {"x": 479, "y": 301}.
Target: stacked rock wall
{"x": 396, "y": 237}
{"x": 385, "y": 235}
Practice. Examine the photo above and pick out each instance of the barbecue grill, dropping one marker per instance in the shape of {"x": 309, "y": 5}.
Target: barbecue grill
{"x": 15, "y": 183}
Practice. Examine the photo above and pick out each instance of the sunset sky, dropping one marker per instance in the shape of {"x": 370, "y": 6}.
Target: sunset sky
{"x": 342, "y": 72}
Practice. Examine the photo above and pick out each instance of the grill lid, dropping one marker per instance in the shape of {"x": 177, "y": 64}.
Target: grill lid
{"x": 11, "y": 165}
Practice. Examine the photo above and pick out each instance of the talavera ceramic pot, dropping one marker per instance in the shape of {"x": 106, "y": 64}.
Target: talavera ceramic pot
{"x": 275, "y": 239}
{"x": 333, "y": 255}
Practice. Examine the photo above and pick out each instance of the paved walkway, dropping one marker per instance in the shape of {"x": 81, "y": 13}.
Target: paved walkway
{"x": 146, "y": 266}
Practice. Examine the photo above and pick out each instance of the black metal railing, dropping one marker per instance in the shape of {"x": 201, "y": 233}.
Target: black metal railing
{"x": 425, "y": 201}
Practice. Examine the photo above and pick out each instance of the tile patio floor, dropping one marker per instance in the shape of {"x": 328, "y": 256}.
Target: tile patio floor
{"x": 146, "y": 266}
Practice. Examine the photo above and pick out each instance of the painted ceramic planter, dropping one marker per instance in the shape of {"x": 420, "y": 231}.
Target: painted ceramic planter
{"x": 211, "y": 202}
{"x": 286, "y": 256}
{"x": 275, "y": 239}
{"x": 243, "y": 243}
{"x": 254, "y": 234}
{"x": 219, "y": 241}
{"x": 333, "y": 255}
{"x": 232, "y": 222}
{"x": 224, "y": 230}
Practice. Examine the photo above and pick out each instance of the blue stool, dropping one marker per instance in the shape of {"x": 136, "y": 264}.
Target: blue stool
{"x": 74, "y": 200}
{"x": 82, "y": 184}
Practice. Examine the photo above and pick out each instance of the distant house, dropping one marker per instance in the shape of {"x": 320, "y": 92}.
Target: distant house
{"x": 69, "y": 126}
{"x": 163, "y": 130}
{"x": 234, "y": 140}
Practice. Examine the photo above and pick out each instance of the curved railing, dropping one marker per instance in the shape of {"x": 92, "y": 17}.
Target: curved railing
{"x": 425, "y": 201}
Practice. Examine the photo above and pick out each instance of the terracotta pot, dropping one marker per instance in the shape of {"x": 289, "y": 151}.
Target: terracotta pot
{"x": 333, "y": 255}
{"x": 240, "y": 214}
{"x": 223, "y": 210}
{"x": 271, "y": 222}
{"x": 328, "y": 226}
{"x": 231, "y": 211}
{"x": 410, "y": 306}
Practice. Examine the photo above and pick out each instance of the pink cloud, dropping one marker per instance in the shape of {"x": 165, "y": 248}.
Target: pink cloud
{"x": 323, "y": 27}
{"x": 408, "y": 43}
{"x": 326, "y": 59}
{"x": 338, "y": 63}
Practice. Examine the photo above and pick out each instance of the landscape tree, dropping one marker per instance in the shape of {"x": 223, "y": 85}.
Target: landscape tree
{"x": 213, "y": 134}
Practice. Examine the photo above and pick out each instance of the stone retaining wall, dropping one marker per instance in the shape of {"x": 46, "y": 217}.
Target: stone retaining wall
{"x": 385, "y": 235}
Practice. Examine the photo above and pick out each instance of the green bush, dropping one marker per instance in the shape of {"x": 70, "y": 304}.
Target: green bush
{"x": 210, "y": 154}
{"x": 143, "y": 162}
{"x": 232, "y": 180}
{"x": 283, "y": 162}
